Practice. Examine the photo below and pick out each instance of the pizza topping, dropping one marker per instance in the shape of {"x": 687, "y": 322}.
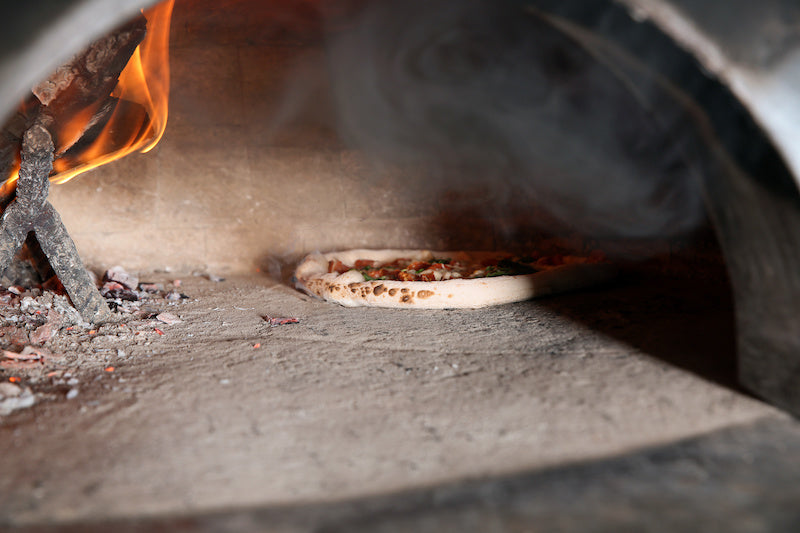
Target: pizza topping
{"x": 350, "y": 276}
{"x": 418, "y": 266}
{"x": 407, "y": 275}
{"x": 551, "y": 260}
{"x": 337, "y": 267}
{"x": 364, "y": 263}
{"x": 340, "y": 277}
{"x": 441, "y": 269}
{"x": 430, "y": 275}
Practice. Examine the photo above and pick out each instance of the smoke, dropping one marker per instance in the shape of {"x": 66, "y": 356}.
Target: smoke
{"x": 500, "y": 99}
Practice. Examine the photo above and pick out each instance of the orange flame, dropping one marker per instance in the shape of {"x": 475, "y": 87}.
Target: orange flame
{"x": 140, "y": 115}
{"x": 144, "y": 81}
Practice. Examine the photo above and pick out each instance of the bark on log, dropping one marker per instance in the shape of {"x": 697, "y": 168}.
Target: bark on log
{"x": 88, "y": 79}
{"x": 30, "y": 211}
{"x": 11, "y": 141}
{"x": 135, "y": 117}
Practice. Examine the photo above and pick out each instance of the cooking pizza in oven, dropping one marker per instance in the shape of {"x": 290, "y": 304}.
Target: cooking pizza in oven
{"x": 425, "y": 279}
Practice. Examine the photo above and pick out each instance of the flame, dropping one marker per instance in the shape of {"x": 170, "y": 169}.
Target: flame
{"x": 139, "y": 117}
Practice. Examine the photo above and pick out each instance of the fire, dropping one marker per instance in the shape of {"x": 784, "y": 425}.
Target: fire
{"x": 140, "y": 115}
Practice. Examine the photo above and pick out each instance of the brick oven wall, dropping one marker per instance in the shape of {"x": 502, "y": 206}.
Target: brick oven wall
{"x": 251, "y": 167}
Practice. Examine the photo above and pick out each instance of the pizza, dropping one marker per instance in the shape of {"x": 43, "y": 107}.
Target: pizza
{"x": 425, "y": 279}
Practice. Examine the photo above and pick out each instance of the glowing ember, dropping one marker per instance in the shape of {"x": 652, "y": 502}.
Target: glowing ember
{"x": 139, "y": 117}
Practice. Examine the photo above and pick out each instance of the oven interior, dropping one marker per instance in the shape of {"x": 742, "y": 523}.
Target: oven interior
{"x": 297, "y": 127}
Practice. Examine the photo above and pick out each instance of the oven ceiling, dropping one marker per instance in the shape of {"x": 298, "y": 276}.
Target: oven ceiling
{"x": 754, "y": 48}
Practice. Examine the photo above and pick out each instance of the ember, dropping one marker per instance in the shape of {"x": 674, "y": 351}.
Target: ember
{"x": 14, "y": 397}
{"x": 281, "y": 321}
{"x": 27, "y": 358}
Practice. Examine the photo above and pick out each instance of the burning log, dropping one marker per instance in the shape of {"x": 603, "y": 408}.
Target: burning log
{"x": 82, "y": 86}
{"x": 136, "y": 119}
{"x": 70, "y": 110}
{"x": 10, "y": 142}
{"x": 30, "y": 211}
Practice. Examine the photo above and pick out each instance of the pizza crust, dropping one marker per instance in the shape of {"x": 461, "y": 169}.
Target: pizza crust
{"x": 350, "y": 289}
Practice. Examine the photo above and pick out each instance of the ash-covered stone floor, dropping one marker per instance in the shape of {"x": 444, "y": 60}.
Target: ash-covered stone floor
{"x": 582, "y": 412}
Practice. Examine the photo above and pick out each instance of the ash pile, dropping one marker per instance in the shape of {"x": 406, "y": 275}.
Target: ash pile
{"x": 47, "y": 350}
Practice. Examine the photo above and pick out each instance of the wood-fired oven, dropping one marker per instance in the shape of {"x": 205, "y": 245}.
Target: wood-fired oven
{"x": 641, "y": 128}
{"x": 298, "y": 127}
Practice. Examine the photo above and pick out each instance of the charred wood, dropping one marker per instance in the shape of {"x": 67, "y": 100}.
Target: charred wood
{"x": 11, "y": 141}
{"x": 78, "y": 90}
{"x": 136, "y": 120}
{"x": 63, "y": 256}
{"x": 83, "y": 85}
{"x": 30, "y": 211}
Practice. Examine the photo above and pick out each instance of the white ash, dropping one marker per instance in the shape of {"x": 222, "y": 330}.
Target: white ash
{"x": 9, "y": 390}
{"x": 121, "y": 276}
{"x": 34, "y": 318}
{"x": 8, "y": 404}
{"x": 152, "y": 288}
{"x": 168, "y": 318}
{"x": 209, "y": 276}
{"x": 175, "y": 296}
{"x": 49, "y": 350}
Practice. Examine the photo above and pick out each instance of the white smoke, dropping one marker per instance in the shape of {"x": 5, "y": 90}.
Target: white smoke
{"x": 498, "y": 98}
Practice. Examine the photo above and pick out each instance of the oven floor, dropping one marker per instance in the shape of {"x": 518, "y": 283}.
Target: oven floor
{"x": 587, "y": 411}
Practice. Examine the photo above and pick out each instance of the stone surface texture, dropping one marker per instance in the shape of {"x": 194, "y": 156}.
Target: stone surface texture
{"x": 223, "y": 412}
